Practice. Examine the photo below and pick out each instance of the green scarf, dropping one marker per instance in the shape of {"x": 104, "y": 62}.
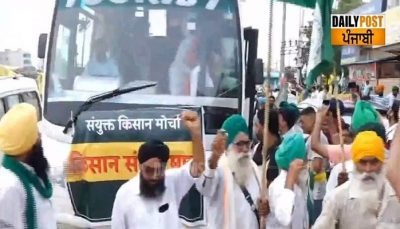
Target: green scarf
{"x": 28, "y": 180}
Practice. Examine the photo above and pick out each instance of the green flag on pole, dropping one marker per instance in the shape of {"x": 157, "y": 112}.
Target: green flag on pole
{"x": 321, "y": 51}
{"x": 304, "y": 3}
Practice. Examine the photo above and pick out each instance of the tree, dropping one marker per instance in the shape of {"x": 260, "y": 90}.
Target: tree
{"x": 347, "y": 5}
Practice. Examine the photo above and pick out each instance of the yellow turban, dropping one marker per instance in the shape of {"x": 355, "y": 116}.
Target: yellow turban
{"x": 368, "y": 144}
{"x": 18, "y": 130}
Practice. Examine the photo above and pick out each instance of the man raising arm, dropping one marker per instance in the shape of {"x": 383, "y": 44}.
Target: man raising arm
{"x": 151, "y": 199}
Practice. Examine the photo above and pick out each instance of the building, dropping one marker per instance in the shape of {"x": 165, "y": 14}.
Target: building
{"x": 17, "y": 58}
{"x": 378, "y": 64}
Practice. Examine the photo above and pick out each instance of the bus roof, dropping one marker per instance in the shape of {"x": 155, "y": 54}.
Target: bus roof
{"x": 9, "y": 85}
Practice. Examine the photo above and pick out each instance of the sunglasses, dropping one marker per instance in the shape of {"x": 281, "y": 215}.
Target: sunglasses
{"x": 242, "y": 143}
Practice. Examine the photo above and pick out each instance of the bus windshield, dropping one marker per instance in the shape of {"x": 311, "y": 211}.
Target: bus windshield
{"x": 190, "y": 48}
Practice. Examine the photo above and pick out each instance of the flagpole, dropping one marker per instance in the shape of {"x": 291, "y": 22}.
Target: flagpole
{"x": 339, "y": 120}
{"x": 264, "y": 188}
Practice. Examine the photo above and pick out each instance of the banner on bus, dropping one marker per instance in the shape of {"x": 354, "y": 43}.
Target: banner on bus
{"x": 108, "y": 142}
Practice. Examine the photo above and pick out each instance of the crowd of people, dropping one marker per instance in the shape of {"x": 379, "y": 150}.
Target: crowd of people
{"x": 320, "y": 173}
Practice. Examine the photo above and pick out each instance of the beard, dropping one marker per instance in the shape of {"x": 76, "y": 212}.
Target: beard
{"x": 38, "y": 161}
{"x": 370, "y": 185}
{"x": 240, "y": 165}
{"x": 149, "y": 190}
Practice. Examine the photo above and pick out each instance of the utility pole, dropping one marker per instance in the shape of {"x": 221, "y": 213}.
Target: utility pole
{"x": 282, "y": 64}
{"x": 283, "y": 92}
{"x": 269, "y": 60}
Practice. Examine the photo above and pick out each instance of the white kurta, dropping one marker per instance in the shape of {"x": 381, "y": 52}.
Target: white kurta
{"x": 295, "y": 129}
{"x": 390, "y": 132}
{"x": 343, "y": 207}
{"x": 13, "y": 202}
{"x": 333, "y": 177}
{"x": 288, "y": 207}
{"x": 131, "y": 210}
{"x": 227, "y": 207}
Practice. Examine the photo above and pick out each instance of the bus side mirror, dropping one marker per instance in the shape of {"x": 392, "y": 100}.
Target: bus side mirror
{"x": 42, "y": 46}
{"x": 259, "y": 71}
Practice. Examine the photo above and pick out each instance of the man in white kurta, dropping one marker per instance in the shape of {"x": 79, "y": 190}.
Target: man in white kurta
{"x": 226, "y": 175}
{"x": 25, "y": 189}
{"x": 151, "y": 199}
{"x": 367, "y": 201}
{"x": 288, "y": 192}
{"x": 131, "y": 210}
{"x": 12, "y": 202}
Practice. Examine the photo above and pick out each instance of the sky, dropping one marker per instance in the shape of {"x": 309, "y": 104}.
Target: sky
{"x": 22, "y": 21}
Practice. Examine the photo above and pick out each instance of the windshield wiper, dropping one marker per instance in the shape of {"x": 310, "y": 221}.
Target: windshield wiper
{"x": 97, "y": 98}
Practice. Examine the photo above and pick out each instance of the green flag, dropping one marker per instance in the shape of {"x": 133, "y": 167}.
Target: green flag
{"x": 304, "y": 3}
{"x": 321, "y": 51}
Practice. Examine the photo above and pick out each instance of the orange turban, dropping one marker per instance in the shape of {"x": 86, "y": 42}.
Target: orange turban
{"x": 368, "y": 144}
{"x": 380, "y": 88}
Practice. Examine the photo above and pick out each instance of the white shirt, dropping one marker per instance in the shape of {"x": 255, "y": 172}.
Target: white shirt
{"x": 288, "y": 207}
{"x": 366, "y": 89}
{"x": 179, "y": 70}
{"x": 333, "y": 177}
{"x": 310, "y": 153}
{"x": 295, "y": 129}
{"x": 319, "y": 190}
{"x": 194, "y": 76}
{"x": 343, "y": 208}
{"x": 96, "y": 68}
{"x": 390, "y": 132}
{"x": 321, "y": 95}
{"x": 212, "y": 185}
{"x": 314, "y": 95}
{"x": 13, "y": 203}
{"x": 132, "y": 211}
{"x": 391, "y": 99}
{"x": 384, "y": 101}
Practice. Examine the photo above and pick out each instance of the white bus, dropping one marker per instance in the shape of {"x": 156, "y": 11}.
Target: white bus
{"x": 199, "y": 52}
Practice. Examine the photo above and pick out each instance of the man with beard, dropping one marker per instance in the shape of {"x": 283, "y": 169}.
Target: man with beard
{"x": 231, "y": 181}
{"x": 367, "y": 201}
{"x": 25, "y": 189}
{"x": 151, "y": 200}
{"x": 100, "y": 63}
{"x": 288, "y": 192}
{"x": 273, "y": 142}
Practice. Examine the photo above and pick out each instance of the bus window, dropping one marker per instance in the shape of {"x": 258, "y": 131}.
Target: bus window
{"x": 188, "y": 51}
{"x": 84, "y": 37}
{"x": 12, "y": 100}
{"x": 2, "y": 108}
{"x": 31, "y": 98}
{"x": 62, "y": 52}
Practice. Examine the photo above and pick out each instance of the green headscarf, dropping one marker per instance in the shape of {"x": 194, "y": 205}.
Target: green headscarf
{"x": 29, "y": 181}
{"x": 363, "y": 113}
{"x": 233, "y": 126}
{"x": 290, "y": 113}
{"x": 291, "y": 148}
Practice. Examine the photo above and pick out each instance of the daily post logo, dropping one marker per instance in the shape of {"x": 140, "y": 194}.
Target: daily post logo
{"x": 357, "y": 30}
